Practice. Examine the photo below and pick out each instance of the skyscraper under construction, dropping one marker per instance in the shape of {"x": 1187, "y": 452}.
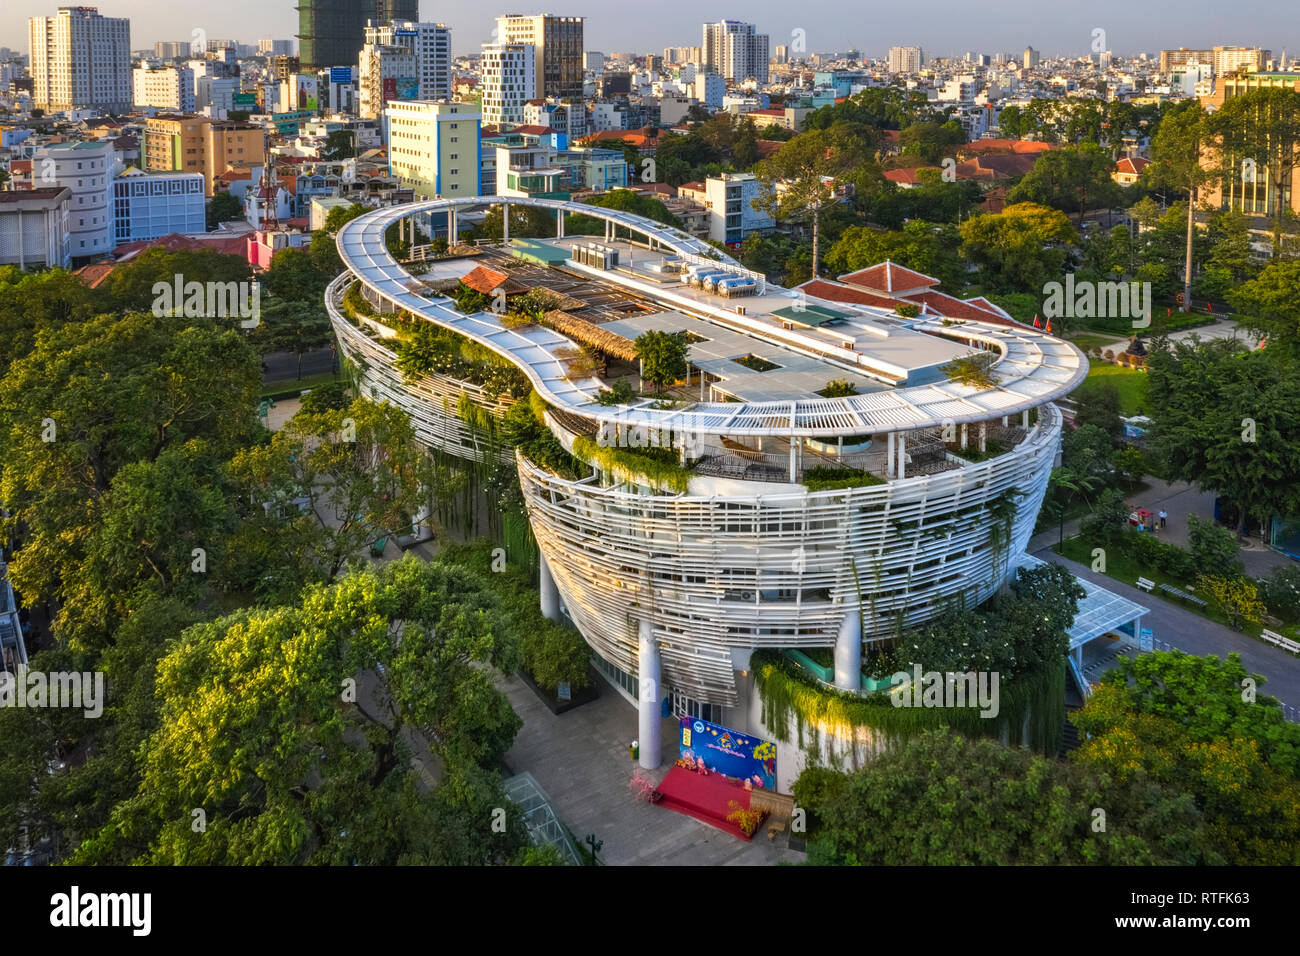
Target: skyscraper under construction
{"x": 332, "y": 32}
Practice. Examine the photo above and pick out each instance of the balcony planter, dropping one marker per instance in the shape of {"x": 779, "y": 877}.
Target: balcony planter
{"x": 874, "y": 684}
{"x": 826, "y": 674}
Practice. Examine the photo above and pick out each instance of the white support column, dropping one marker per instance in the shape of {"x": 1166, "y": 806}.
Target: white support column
{"x": 901, "y": 451}
{"x": 701, "y": 384}
{"x": 648, "y": 719}
{"x": 963, "y": 436}
{"x": 451, "y": 225}
{"x": 505, "y": 223}
{"x": 794, "y": 468}
{"x": 559, "y": 223}
{"x": 848, "y": 652}
{"x": 550, "y": 594}
{"x": 984, "y": 436}
{"x": 1024, "y": 418}
{"x": 889, "y": 456}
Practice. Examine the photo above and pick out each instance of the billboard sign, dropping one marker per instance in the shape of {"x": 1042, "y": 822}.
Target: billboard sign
{"x": 729, "y": 752}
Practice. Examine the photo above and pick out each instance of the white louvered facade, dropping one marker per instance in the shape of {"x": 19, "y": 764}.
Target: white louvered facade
{"x": 732, "y": 565}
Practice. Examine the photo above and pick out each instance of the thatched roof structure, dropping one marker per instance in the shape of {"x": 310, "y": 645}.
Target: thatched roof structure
{"x": 589, "y": 333}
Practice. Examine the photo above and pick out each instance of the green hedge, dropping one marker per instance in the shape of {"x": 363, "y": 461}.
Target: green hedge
{"x": 790, "y": 696}
{"x": 824, "y": 478}
{"x": 656, "y": 467}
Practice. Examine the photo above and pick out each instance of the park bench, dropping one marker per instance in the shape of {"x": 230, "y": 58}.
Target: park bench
{"x": 1145, "y": 585}
{"x": 1283, "y": 642}
{"x": 1184, "y": 596}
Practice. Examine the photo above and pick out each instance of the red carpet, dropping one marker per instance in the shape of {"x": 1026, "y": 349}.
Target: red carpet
{"x": 704, "y": 798}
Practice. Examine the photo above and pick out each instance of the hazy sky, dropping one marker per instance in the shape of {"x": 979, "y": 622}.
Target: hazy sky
{"x": 940, "y": 27}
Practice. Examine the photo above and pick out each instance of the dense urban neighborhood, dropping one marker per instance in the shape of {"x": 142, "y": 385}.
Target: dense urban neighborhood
{"x": 433, "y": 447}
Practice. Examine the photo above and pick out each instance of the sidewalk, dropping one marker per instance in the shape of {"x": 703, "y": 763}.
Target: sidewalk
{"x": 1179, "y": 499}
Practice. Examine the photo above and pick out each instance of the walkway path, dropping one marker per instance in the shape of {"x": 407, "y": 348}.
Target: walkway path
{"x": 581, "y": 760}
{"x": 1190, "y": 632}
{"x": 1179, "y": 499}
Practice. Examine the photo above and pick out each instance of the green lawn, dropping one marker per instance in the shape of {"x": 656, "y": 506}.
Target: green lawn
{"x": 290, "y": 387}
{"x": 1131, "y": 383}
{"x": 1122, "y": 568}
{"x": 1087, "y": 342}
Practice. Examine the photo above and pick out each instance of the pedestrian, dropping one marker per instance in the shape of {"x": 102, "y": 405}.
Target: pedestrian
{"x": 1163, "y": 518}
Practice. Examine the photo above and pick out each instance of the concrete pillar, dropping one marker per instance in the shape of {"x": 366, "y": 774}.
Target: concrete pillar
{"x": 701, "y": 384}
{"x": 1024, "y": 418}
{"x": 901, "y": 452}
{"x": 964, "y": 431}
{"x": 559, "y": 223}
{"x": 794, "y": 466}
{"x": 550, "y": 594}
{"x": 451, "y": 226}
{"x": 648, "y": 719}
{"x": 984, "y": 436}
{"x": 848, "y": 652}
{"x": 505, "y": 223}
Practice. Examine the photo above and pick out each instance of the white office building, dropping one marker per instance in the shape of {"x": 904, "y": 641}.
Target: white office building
{"x": 736, "y": 50}
{"x": 430, "y": 43}
{"x": 34, "y": 228}
{"x": 385, "y": 74}
{"x": 168, "y": 88}
{"x": 80, "y": 59}
{"x": 87, "y": 170}
{"x": 509, "y": 81}
{"x": 906, "y": 59}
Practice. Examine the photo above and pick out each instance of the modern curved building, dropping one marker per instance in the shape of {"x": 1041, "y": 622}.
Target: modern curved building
{"x": 791, "y": 520}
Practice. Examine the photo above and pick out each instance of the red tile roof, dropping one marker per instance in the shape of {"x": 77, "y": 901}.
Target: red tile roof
{"x": 94, "y": 275}
{"x": 888, "y": 277}
{"x": 234, "y": 245}
{"x": 482, "y": 279}
{"x": 1132, "y": 165}
{"x": 953, "y": 308}
{"x": 532, "y": 130}
{"x": 834, "y": 292}
{"x": 981, "y": 146}
{"x": 905, "y": 177}
{"x": 768, "y": 147}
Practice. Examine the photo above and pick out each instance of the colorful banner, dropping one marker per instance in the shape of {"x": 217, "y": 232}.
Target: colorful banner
{"x": 729, "y": 752}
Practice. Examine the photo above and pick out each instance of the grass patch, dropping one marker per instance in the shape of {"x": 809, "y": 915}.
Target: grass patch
{"x": 832, "y": 479}
{"x": 1130, "y": 383}
{"x": 1088, "y": 342}
{"x": 1125, "y": 569}
{"x": 756, "y": 364}
{"x": 293, "y": 388}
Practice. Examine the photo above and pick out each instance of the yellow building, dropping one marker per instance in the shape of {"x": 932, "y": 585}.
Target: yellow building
{"x": 433, "y": 147}
{"x": 1252, "y": 194}
{"x": 196, "y": 144}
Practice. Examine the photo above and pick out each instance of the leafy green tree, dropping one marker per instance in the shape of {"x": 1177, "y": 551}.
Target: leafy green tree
{"x": 1098, "y": 405}
{"x": 94, "y": 398}
{"x": 40, "y": 301}
{"x": 340, "y": 216}
{"x": 1214, "y": 548}
{"x": 1020, "y": 248}
{"x": 948, "y": 800}
{"x": 926, "y": 247}
{"x": 663, "y": 357}
{"x": 357, "y": 472}
{"x": 303, "y": 717}
{"x": 293, "y": 277}
{"x": 930, "y": 140}
{"x": 1186, "y": 724}
{"x": 1074, "y": 179}
{"x": 809, "y": 170}
{"x": 1226, "y": 421}
{"x": 1177, "y": 153}
{"x": 292, "y": 326}
{"x": 224, "y": 207}
{"x": 1269, "y": 305}
{"x": 131, "y": 286}
{"x": 1262, "y": 127}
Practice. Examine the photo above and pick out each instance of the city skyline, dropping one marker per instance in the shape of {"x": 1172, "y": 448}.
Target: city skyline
{"x": 938, "y": 29}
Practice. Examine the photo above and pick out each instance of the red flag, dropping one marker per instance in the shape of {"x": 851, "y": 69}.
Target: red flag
{"x": 1263, "y": 342}
{"x": 1049, "y": 326}
{"x": 1036, "y": 325}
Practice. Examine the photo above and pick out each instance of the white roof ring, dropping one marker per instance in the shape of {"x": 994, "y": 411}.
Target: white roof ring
{"x": 1034, "y": 368}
